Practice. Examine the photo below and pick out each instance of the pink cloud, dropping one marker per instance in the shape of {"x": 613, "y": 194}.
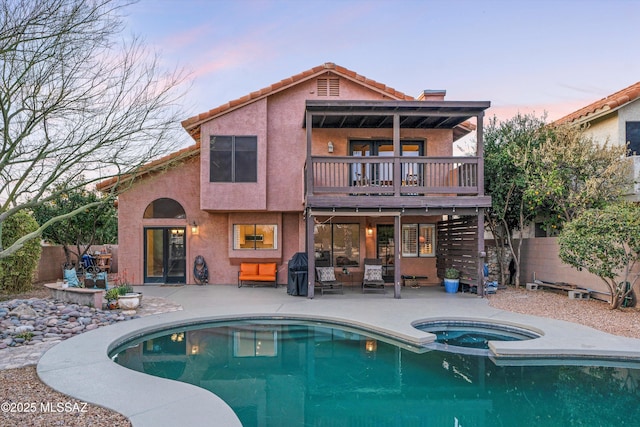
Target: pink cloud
{"x": 184, "y": 39}
{"x": 553, "y": 111}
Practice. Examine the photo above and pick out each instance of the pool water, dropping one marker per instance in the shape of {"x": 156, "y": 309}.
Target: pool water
{"x": 471, "y": 339}
{"x": 286, "y": 373}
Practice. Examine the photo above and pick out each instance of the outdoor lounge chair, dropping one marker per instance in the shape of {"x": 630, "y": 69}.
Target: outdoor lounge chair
{"x": 326, "y": 281}
{"x": 372, "y": 280}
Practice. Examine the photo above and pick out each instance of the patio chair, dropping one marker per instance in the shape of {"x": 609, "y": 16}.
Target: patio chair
{"x": 372, "y": 280}
{"x": 326, "y": 281}
{"x": 95, "y": 278}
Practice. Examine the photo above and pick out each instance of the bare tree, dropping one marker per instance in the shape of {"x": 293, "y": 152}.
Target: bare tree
{"x": 76, "y": 97}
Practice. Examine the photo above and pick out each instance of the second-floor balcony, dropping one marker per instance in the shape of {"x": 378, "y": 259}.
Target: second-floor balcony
{"x": 393, "y": 182}
{"x": 383, "y": 162}
{"x": 395, "y": 176}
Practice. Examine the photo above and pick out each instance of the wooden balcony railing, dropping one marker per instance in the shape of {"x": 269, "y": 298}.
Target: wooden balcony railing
{"x": 400, "y": 176}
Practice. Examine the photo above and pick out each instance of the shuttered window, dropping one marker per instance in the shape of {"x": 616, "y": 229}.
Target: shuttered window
{"x": 328, "y": 87}
{"x": 418, "y": 240}
{"x": 410, "y": 240}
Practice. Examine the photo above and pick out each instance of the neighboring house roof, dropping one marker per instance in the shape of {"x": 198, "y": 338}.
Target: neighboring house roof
{"x": 603, "y": 106}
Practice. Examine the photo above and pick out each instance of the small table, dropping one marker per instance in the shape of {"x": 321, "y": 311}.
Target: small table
{"x": 348, "y": 275}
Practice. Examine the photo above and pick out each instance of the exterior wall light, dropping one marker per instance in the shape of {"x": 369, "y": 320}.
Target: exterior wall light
{"x": 194, "y": 228}
{"x": 330, "y": 147}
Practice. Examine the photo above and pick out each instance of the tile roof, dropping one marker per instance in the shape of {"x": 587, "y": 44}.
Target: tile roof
{"x": 150, "y": 167}
{"x": 611, "y": 102}
{"x": 192, "y": 124}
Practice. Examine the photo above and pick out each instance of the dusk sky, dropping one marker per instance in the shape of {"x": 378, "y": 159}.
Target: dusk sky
{"x": 527, "y": 56}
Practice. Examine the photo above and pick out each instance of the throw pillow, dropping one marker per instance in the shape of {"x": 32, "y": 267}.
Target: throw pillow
{"x": 373, "y": 273}
{"x": 326, "y": 274}
{"x": 71, "y": 277}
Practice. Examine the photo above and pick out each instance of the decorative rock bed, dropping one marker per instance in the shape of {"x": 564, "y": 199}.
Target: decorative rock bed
{"x": 27, "y": 322}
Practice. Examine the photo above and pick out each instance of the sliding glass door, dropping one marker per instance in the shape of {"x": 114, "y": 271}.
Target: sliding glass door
{"x": 381, "y": 173}
{"x": 164, "y": 255}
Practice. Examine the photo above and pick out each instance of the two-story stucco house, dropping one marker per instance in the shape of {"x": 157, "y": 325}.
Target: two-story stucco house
{"x": 616, "y": 119}
{"x": 326, "y": 162}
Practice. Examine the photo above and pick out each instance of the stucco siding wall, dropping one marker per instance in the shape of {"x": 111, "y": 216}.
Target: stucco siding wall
{"x": 248, "y": 120}
{"x": 181, "y": 183}
{"x": 287, "y": 148}
{"x": 606, "y": 129}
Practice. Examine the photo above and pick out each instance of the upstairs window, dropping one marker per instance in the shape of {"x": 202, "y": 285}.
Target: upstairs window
{"x": 233, "y": 159}
{"x": 633, "y": 138}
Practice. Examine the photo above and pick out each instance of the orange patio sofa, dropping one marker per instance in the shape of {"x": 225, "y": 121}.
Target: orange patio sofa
{"x": 257, "y": 272}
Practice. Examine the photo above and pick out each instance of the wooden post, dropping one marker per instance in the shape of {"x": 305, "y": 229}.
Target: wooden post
{"x": 397, "y": 173}
{"x": 309, "y": 120}
{"x": 311, "y": 270}
{"x": 480, "y": 155}
{"x": 480, "y": 251}
{"x": 396, "y": 258}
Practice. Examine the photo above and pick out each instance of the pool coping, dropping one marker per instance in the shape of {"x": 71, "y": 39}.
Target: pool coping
{"x": 80, "y": 367}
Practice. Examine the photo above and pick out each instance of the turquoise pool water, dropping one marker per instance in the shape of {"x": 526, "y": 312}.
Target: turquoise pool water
{"x": 291, "y": 373}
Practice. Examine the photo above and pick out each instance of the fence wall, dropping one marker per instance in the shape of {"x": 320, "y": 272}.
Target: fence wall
{"x": 541, "y": 259}
{"x": 52, "y": 258}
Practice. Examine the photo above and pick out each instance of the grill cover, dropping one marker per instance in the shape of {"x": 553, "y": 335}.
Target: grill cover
{"x": 298, "y": 275}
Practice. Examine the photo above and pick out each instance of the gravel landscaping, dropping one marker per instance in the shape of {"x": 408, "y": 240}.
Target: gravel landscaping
{"x": 35, "y": 404}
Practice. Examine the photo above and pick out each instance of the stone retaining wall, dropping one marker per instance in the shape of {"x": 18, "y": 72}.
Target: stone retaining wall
{"x": 82, "y": 296}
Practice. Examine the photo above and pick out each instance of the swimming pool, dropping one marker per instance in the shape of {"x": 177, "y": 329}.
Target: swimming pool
{"x": 291, "y": 373}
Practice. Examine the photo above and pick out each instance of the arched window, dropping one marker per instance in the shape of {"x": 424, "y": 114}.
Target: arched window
{"x": 164, "y": 208}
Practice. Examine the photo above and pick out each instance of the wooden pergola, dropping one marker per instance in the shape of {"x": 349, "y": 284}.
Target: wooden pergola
{"x": 452, "y": 186}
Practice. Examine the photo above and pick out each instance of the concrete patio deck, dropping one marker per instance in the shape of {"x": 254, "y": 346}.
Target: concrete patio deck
{"x": 81, "y": 368}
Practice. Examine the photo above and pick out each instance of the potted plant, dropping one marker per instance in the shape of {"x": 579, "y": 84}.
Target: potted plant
{"x": 127, "y": 298}
{"x": 451, "y": 280}
{"x": 111, "y": 296}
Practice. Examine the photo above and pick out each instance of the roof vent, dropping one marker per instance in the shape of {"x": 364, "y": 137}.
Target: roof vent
{"x": 329, "y": 87}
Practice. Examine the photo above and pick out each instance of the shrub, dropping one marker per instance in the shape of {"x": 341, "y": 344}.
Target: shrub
{"x": 606, "y": 242}
{"x": 451, "y": 273}
{"x": 17, "y": 270}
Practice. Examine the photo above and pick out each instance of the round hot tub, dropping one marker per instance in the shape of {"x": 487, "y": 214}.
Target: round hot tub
{"x": 456, "y": 335}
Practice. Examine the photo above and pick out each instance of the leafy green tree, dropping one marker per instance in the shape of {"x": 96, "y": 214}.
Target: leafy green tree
{"x": 508, "y": 148}
{"x": 76, "y": 97}
{"x": 16, "y": 271}
{"x": 95, "y": 224}
{"x": 571, "y": 172}
{"x": 606, "y": 242}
